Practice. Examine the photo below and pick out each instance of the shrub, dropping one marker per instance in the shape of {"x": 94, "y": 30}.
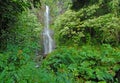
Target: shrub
{"x": 23, "y": 38}
{"x": 88, "y": 25}
{"x": 86, "y": 64}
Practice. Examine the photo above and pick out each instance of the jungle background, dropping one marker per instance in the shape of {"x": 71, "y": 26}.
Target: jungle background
{"x": 87, "y": 36}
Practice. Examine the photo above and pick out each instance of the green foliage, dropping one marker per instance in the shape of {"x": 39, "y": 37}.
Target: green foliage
{"x": 106, "y": 28}
{"x": 66, "y": 29}
{"x": 87, "y": 63}
{"x": 114, "y": 7}
{"x": 24, "y": 34}
{"x": 23, "y": 38}
{"x": 87, "y": 22}
{"x": 15, "y": 69}
{"x": 10, "y": 9}
{"x": 9, "y": 12}
{"x": 89, "y": 25}
{"x": 21, "y": 69}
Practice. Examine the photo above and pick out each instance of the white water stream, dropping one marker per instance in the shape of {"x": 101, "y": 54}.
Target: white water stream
{"x": 47, "y": 39}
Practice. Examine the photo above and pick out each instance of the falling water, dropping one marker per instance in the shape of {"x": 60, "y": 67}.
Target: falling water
{"x": 47, "y": 39}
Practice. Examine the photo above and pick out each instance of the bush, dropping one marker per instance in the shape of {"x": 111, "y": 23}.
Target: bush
{"x": 85, "y": 64}
{"x": 24, "y": 34}
{"x": 22, "y": 70}
{"x": 23, "y": 38}
{"x": 87, "y": 26}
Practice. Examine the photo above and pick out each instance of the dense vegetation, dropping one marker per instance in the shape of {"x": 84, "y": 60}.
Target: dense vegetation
{"x": 96, "y": 22}
{"x": 87, "y": 35}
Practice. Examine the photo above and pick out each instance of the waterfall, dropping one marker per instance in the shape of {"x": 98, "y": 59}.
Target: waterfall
{"x": 47, "y": 39}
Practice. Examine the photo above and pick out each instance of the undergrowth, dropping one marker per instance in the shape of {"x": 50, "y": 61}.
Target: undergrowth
{"x": 87, "y": 64}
